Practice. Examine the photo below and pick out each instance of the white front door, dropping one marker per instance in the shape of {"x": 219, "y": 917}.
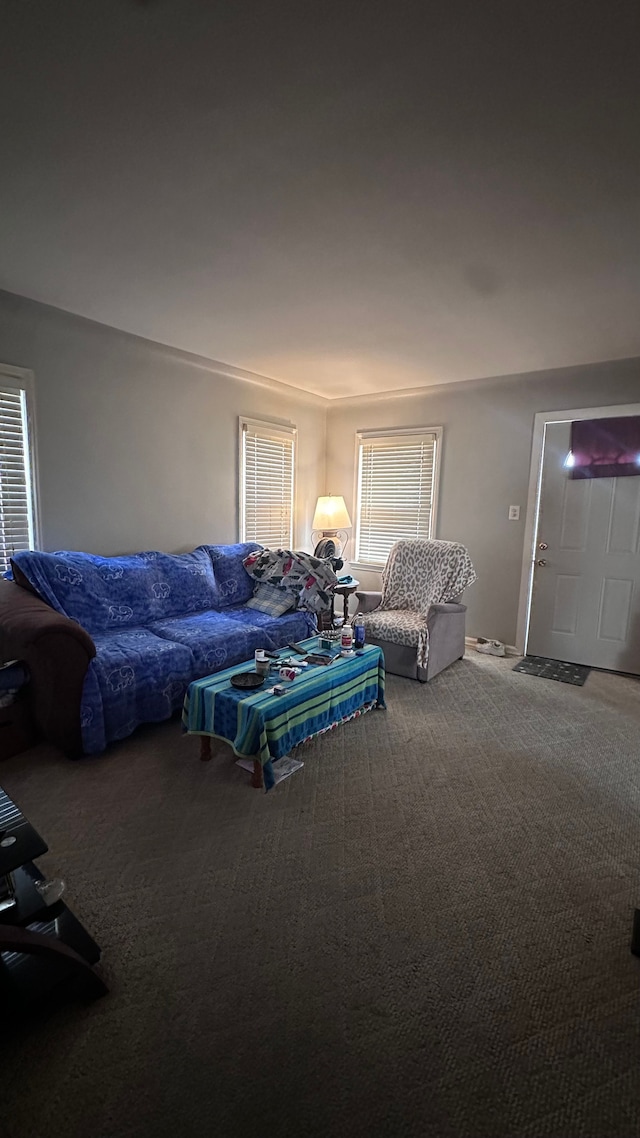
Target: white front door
{"x": 586, "y": 588}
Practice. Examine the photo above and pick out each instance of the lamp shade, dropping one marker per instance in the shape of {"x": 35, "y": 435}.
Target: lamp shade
{"x": 331, "y": 513}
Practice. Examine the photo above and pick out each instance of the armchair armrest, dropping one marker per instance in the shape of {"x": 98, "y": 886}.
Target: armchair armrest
{"x": 57, "y": 652}
{"x": 449, "y": 606}
{"x": 368, "y": 600}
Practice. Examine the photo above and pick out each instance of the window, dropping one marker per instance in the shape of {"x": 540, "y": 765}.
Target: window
{"x": 396, "y": 491}
{"x": 267, "y": 470}
{"x": 17, "y": 507}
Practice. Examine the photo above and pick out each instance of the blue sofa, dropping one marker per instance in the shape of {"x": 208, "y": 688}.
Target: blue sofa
{"x": 155, "y": 621}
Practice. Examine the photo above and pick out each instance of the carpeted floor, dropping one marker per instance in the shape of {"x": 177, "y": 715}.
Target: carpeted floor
{"x": 423, "y": 932}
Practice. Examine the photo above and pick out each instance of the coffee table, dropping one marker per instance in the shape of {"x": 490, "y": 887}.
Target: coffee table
{"x": 265, "y": 727}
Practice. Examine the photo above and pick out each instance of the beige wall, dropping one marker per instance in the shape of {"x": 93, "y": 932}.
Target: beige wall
{"x": 137, "y": 444}
{"x": 488, "y": 427}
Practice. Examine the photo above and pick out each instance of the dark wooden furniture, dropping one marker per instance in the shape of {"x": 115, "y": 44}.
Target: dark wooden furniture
{"x": 16, "y": 728}
{"x": 345, "y": 591}
{"x": 43, "y": 947}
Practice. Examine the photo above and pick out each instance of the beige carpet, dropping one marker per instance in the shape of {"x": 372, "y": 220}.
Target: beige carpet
{"x": 423, "y": 932}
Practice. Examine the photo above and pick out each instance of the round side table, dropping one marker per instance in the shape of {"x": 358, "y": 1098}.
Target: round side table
{"x": 344, "y": 591}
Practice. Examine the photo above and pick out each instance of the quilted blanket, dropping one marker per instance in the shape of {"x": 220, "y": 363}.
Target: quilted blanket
{"x": 311, "y": 578}
{"x": 418, "y": 574}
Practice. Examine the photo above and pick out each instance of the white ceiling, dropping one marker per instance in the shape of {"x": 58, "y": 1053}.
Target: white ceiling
{"x": 349, "y": 197}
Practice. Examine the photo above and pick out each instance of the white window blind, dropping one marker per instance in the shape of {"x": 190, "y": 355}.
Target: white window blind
{"x": 397, "y": 479}
{"x": 267, "y": 471}
{"x": 16, "y": 502}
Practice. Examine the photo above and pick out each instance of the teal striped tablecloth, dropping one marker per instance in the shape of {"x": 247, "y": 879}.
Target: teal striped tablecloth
{"x": 263, "y": 726}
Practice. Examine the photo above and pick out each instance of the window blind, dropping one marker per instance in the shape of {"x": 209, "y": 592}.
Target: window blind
{"x": 396, "y": 480}
{"x": 16, "y": 511}
{"x": 267, "y": 481}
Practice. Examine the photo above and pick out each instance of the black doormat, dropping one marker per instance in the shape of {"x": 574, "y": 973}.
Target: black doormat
{"x": 553, "y": 670}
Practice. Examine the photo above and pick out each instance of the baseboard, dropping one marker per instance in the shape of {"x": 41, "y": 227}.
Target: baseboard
{"x": 510, "y": 649}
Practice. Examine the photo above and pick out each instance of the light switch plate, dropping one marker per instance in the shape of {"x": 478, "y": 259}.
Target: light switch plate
{"x": 514, "y": 513}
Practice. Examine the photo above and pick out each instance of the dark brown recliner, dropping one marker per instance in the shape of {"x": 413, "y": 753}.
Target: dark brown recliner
{"x": 57, "y": 652}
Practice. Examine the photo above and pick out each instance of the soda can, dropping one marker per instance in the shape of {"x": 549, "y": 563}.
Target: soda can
{"x": 288, "y": 673}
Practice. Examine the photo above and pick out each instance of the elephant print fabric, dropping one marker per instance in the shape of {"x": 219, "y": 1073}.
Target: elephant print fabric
{"x": 234, "y": 583}
{"x": 114, "y": 592}
{"x": 136, "y": 677}
{"x": 121, "y": 678}
{"x": 157, "y": 621}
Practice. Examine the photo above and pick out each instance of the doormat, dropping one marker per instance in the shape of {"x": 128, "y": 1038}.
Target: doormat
{"x": 574, "y": 674}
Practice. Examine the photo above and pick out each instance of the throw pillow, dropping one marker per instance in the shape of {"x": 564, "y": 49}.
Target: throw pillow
{"x": 234, "y": 584}
{"x": 106, "y": 594}
{"x": 272, "y": 599}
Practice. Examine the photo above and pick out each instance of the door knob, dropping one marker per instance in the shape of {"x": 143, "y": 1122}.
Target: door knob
{"x": 541, "y": 561}
{"x": 543, "y": 545}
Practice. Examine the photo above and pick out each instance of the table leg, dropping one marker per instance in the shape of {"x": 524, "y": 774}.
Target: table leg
{"x": 346, "y": 608}
{"x": 257, "y": 779}
{"x": 205, "y": 748}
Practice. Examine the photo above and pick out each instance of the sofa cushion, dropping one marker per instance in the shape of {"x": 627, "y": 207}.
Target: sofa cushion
{"x": 234, "y": 584}
{"x": 104, "y": 593}
{"x": 211, "y": 638}
{"x": 221, "y": 639}
{"x": 398, "y": 626}
{"x": 272, "y": 599}
{"x": 275, "y": 631}
{"x": 136, "y": 677}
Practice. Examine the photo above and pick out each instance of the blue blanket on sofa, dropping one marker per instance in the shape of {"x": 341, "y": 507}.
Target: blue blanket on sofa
{"x": 158, "y": 622}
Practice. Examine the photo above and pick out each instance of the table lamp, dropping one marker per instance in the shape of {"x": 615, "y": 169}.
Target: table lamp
{"x": 330, "y": 520}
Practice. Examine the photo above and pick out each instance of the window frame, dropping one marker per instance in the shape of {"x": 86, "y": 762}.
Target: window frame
{"x": 393, "y": 433}
{"x": 23, "y": 379}
{"x": 288, "y": 430}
